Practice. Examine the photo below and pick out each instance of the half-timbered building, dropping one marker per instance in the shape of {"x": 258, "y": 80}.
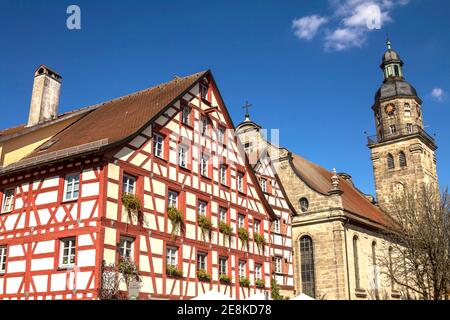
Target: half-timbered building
{"x": 200, "y": 219}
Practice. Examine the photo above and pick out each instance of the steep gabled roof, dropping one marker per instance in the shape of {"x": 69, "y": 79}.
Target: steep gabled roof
{"x": 353, "y": 201}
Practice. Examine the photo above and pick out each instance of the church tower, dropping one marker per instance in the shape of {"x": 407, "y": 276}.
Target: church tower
{"x": 402, "y": 152}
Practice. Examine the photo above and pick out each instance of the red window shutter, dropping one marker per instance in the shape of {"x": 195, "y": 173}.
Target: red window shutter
{"x": 285, "y": 266}
{"x": 283, "y": 226}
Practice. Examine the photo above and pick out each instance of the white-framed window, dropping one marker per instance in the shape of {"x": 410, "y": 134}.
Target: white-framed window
{"x": 182, "y": 155}
{"x": 8, "y": 200}
{"x": 258, "y": 271}
{"x": 248, "y": 147}
{"x": 223, "y": 263}
{"x": 126, "y": 245}
{"x": 3, "y": 255}
{"x": 223, "y": 174}
{"x": 223, "y": 214}
{"x": 204, "y": 165}
{"x": 278, "y": 264}
{"x": 185, "y": 115}
{"x": 201, "y": 261}
{"x": 72, "y": 186}
{"x": 256, "y": 226}
{"x": 276, "y": 226}
{"x": 221, "y": 135}
{"x": 204, "y": 90}
{"x": 392, "y": 129}
{"x": 240, "y": 182}
{"x": 241, "y": 221}
{"x": 263, "y": 184}
{"x": 128, "y": 184}
{"x": 241, "y": 269}
{"x": 172, "y": 256}
{"x": 409, "y": 127}
{"x": 407, "y": 109}
{"x": 172, "y": 199}
{"x": 158, "y": 145}
{"x": 202, "y": 207}
{"x": 67, "y": 252}
{"x": 203, "y": 125}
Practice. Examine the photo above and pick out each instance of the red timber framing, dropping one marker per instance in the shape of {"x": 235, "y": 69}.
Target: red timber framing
{"x": 96, "y": 220}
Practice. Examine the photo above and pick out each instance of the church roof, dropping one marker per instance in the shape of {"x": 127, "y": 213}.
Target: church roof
{"x": 395, "y": 88}
{"x": 353, "y": 201}
{"x": 111, "y": 122}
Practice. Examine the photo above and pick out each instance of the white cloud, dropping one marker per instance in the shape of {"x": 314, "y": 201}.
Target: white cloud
{"x": 353, "y": 20}
{"x": 307, "y": 27}
{"x": 439, "y": 94}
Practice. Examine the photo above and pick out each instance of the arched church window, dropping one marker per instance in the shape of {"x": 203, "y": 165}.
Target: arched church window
{"x": 390, "y": 161}
{"x": 402, "y": 159}
{"x": 307, "y": 266}
{"x": 356, "y": 262}
{"x": 304, "y": 204}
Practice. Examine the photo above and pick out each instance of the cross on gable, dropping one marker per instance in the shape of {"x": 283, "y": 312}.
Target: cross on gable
{"x": 246, "y": 107}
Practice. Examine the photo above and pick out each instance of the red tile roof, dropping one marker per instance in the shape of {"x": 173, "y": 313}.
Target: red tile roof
{"x": 353, "y": 201}
{"x": 117, "y": 120}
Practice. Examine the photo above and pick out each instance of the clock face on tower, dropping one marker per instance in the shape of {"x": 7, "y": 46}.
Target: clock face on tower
{"x": 389, "y": 109}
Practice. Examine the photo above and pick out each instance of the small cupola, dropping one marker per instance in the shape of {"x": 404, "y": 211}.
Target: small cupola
{"x": 45, "y": 96}
{"x": 391, "y": 64}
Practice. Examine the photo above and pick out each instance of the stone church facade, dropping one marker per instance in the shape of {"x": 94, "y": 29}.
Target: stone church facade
{"x": 337, "y": 231}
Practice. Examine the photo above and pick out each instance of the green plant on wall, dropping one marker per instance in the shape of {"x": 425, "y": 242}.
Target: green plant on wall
{"x": 260, "y": 283}
{"x": 275, "y": 290}
{"x": 259, "y": 240}
{"x": 132, "y": 205}
{"x": 204, "y": 223}
{"x": 127, "y": 269}
{"x": 223, "y": 278}
{"x": 225, "y": 228}
{"x": 173, "y": 271}
{"x": 176, "y": 218}
{"x": 244, "y": 282}
{"x": 203, "y": 275}
{"x": 243, "y": 235}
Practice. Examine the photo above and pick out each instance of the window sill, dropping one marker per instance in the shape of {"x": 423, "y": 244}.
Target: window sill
{"x": 65, "y": 268}
{"x": 6, "y": 212}
{"x": 158, "y": 158}
{"x": 205, "y": 177}
{"x": 187, "y": 125}
{"x": 224, "y": 185}
{"x": 69, "y": 200}
{"x": 242, "y": 193}
{"x": 2, "y": 273}
{"x": 184, "y": 168}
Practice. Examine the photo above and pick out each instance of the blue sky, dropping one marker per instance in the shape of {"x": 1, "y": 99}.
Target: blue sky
{"x": 310, "y": 68}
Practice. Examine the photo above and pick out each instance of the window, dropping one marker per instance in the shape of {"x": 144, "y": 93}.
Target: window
{"x": 128, "y": 184}
{"x": 248, "y": 147}
{"x": 204, "y": 90}
{"x": 171, "y": 256}
{"x": 221, "y": 135}
{"x": 158, "y": 145}
{"x": 223, "y": 214}
{"x": 185, "y": 115}
{"x": 240, "y": 182}
{"x": 402, "y": 159}
{"x": 407, "y": 109}
{"x": 182, "y": 155}
{"x": 278, "y": 265}
{"x": 204, "y": 165}
{"x": 356, "y": 262}
{"x": 374, "y": 254}
{"x": 72, "y": 186}
{"x": 397, "y": 70}
{"x": 256, "y": 226}
{"x": 126, "y": 247}
{"x": 223, "y": 174}
{"x": 67, "y": 249}
{"x": 392, "y": 129}
{"x": 203, "y": 125}
{"x": 258, "y": 271}
{"x": 307, "y": 266}
{"x": 276, "y": 226}
{"x": 202, "y": 208}
{"x": 304, "y": 204}
{"x": 390, "y": 161}
{"x": 263, "y": 183}
{"x": 8, "y": 200}
{"x": 223, "y": 262}
{"x": 409, "y": 127}
{"x": 241, "y": 221}
{"x": 3, "y": 254}
{"x": 172, "y": 199}
{"x": 201, "y": 261}
{"x": 241, "y": 269}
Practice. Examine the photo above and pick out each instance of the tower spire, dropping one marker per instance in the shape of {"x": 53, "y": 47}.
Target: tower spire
{"x": 388, "y": 42}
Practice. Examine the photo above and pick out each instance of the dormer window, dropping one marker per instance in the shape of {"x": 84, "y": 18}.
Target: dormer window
{"x": 185, "y": 115}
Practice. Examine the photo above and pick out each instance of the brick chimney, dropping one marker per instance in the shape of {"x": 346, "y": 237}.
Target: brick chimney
{"x": 45, "y": 96}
